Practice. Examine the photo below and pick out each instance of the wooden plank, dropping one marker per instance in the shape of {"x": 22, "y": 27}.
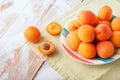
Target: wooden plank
{"x": 15, "y": 16}
{"x": 24, "y": 65}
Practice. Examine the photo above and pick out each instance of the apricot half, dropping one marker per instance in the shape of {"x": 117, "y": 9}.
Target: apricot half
{"x": 54, "y": 28}
{"x": 46, "y": 47}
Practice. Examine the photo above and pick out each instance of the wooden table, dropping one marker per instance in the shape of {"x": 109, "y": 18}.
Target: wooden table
{"x": 17, "y": 60}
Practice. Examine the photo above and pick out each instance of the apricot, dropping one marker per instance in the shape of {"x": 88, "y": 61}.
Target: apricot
{"x": 115, "y": 39}
{"x": 103, "y": 32}
{"x": 105, "y": 49}
{"x": 87, "y": 50}
{"x": 54, "y": 28}
{"x": 105, "y": 22}
{"x": 87, "y": 17}
{"x": 105, "y": 13}
{"x": 46, "y": 48}
{"x": 73, "y": 25}
{"x": 115, "y": 24}
{"x": 86, "y": 33}
{"x": 73, "y": 40}
{"x": 32, "y": 34}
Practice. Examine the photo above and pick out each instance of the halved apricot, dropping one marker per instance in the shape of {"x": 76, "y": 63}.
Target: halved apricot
{"x": 54, "y": 28}
{"x": 46, "y": 47}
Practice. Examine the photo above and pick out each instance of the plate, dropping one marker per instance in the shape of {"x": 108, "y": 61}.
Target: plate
{"x": 77, "y": 57}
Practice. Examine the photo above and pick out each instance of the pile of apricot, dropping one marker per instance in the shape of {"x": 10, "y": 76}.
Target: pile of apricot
{"x": 94, "y": 35}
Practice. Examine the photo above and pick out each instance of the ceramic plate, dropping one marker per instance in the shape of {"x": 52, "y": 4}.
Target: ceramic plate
{"x": 77, "y": 57}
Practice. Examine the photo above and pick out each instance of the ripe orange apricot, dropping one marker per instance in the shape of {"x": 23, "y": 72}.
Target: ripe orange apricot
{"x": 87, "y": 50}
{"x": 32, "y": 34}
{"x": 54, "y": 28}
{"x": 105, "y": 13}
{"x": 105, "y": 49}
{"x": 46, "y": 47}
{"x": 115, "y": 39}
{"x": 73, "y": 25}
{"x": 103, "y": 32}
{"x": 86, "y": 33}
{"x": 115, "y": 24}
{"x": 73, "y": 40}
{"x": 87, "y": 17}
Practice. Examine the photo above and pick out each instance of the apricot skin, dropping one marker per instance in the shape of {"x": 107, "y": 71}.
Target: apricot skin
{"x": 105, "y": 49}
{"x": 103, "y": 32}
{"x": 86, "y": 33}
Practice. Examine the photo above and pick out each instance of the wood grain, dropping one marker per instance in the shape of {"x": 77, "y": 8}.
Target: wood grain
{"x": 17, "y": 60}
{"x": 23, "y": 66}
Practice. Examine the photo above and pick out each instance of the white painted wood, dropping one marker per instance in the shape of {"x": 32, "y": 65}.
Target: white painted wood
{"x": 15, "y": 17}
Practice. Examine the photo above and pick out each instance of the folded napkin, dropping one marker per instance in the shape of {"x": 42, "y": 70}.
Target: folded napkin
{"x": 70, "y": 69}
